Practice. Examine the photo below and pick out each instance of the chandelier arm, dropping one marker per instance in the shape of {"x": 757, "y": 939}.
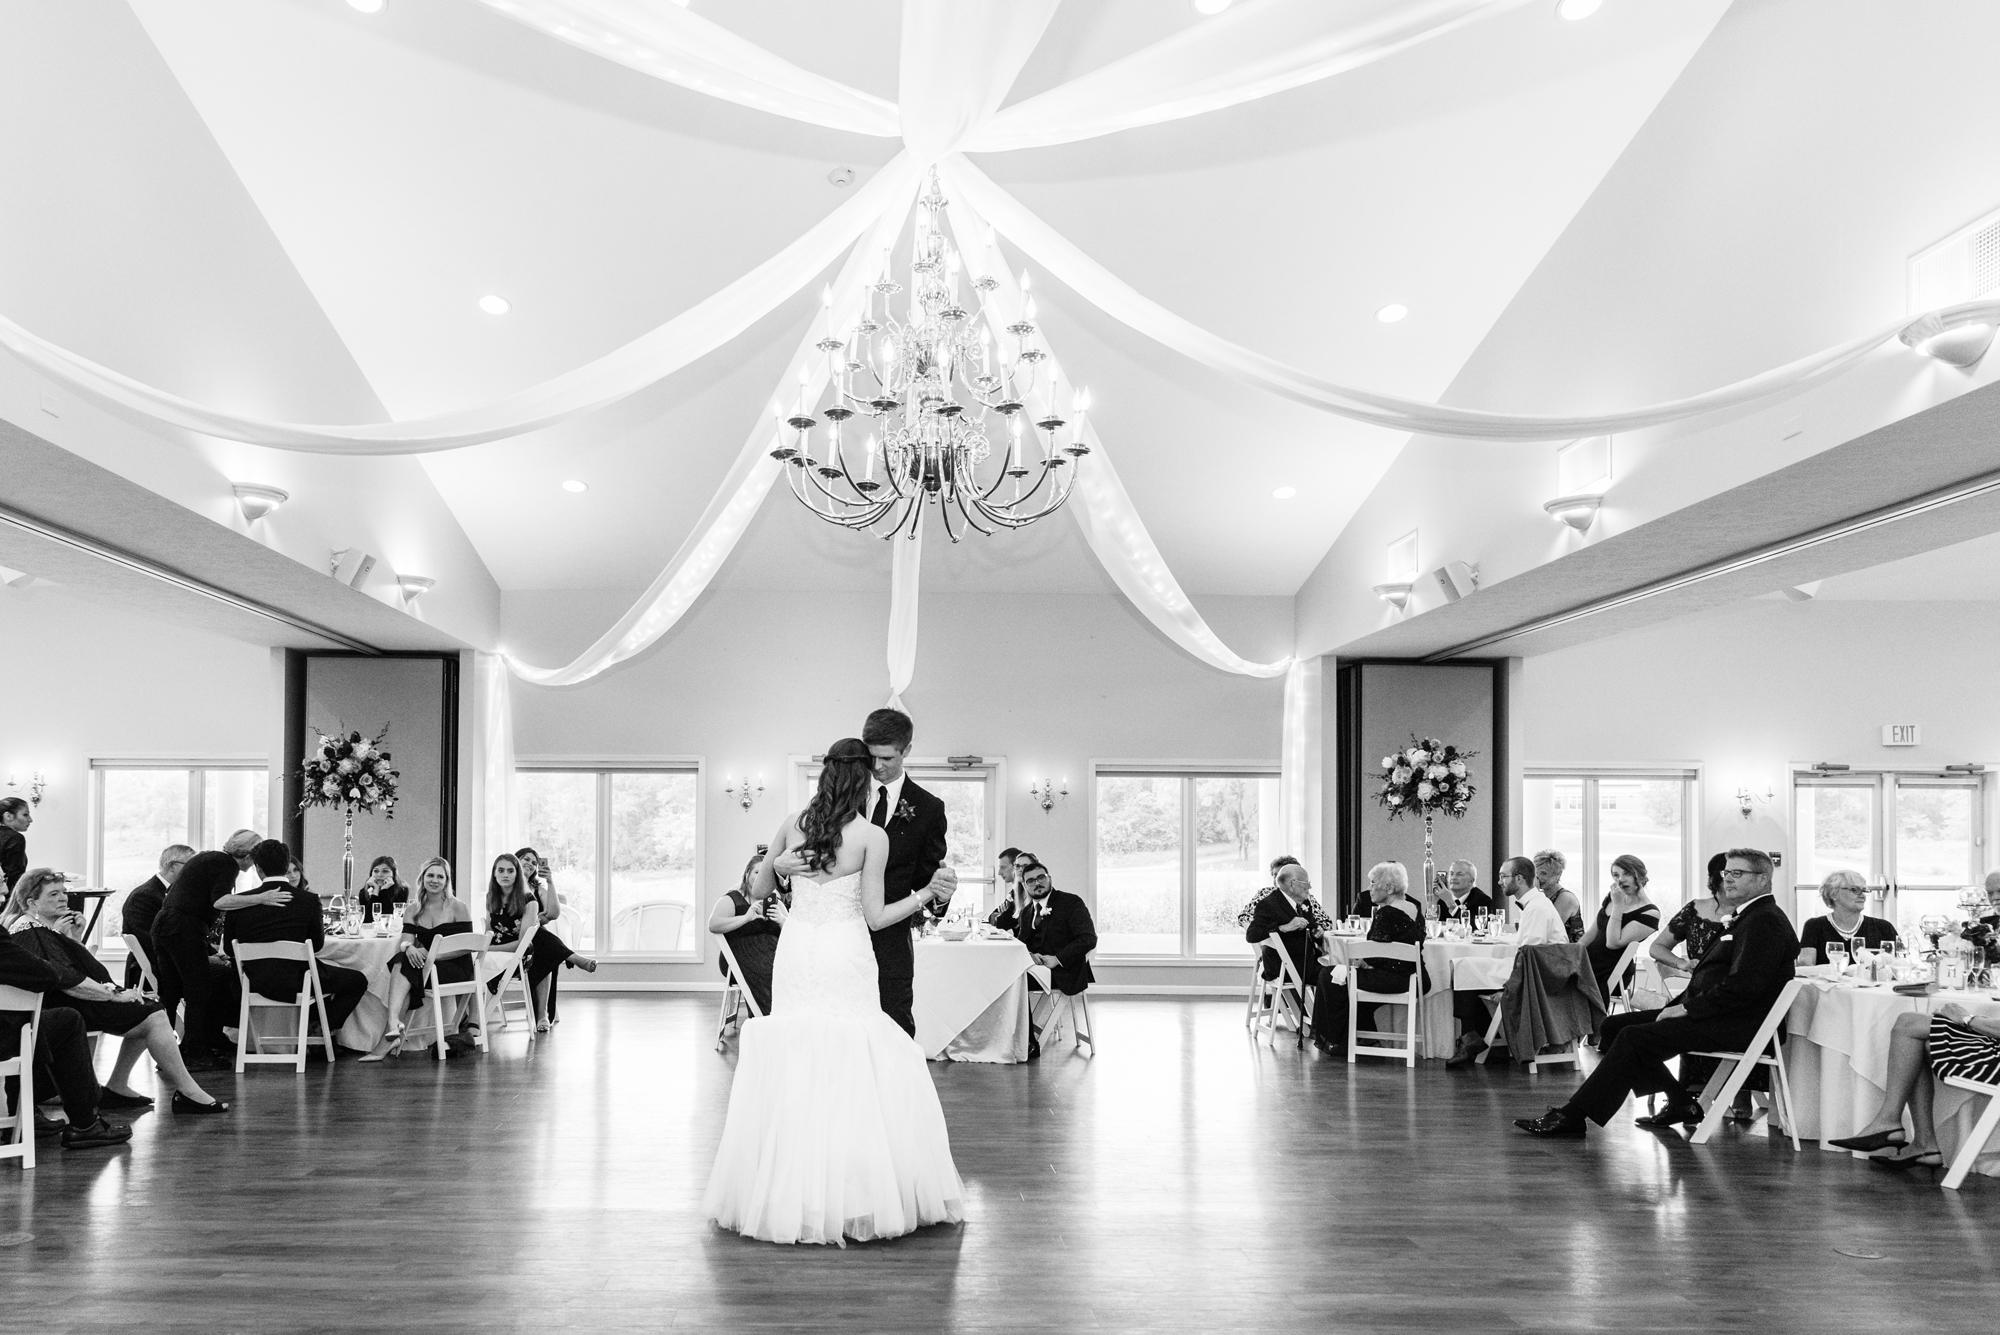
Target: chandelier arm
{"x": 959, "y": 499}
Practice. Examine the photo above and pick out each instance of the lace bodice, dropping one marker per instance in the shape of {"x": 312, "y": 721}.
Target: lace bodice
{"x": 827, "y": 901}
{"x": 825, "y": 963}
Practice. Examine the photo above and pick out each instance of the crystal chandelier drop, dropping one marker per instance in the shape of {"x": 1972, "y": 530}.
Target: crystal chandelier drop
{"x": 923, "y": 388}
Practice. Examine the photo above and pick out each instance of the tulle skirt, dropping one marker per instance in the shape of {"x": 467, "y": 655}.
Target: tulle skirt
{"x": 834, "y": 1132}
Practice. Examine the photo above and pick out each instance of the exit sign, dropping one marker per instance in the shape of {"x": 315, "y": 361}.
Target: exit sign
{"x": 1902, "y": 734}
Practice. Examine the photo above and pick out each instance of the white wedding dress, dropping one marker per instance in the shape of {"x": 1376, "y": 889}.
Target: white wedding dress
{"x": 834, "y": 1128}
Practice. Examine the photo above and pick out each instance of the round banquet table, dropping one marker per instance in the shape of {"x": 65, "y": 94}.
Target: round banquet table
{"x": 971, "y": 999}
{"x": 1439, "y": 1034}
{"x": 1837, "y": 1061}
{"x": 370, "y": 955}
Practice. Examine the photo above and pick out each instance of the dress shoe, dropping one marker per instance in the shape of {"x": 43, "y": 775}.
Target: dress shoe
{"x": 187, "y": 1107}
{"x": 115, "y": 1102}
{"x": 1873, "y": 1141}
{"x": 1688, "y": 1113}
{"x": 48, "y": 1126}
{"x": 104, "y": 1132}
{"x": 1556, "y": 1123}
{"x": 1468, "y": 1049}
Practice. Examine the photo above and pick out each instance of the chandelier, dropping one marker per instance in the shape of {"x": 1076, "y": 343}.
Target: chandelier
{"x": 909, "y": 404}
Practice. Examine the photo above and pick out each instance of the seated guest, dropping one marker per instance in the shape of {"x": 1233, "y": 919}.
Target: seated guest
{"x": 1732, "y": 990}
{"x": 1549, "y": 867}
{"x": 1922, "y": 1048}
{"x": 1397, "y": 918}
{"x": 1538, "y": 926}
{"x": 51, "y": 931}
{"x": 751, "y": 926}
{"x": 298, "y": 919}
{"x": 62, "y": 1049}
{"x": 437, "y": 912}
{"x": 1625, "y": 916}
{"x": 1008, "y": 910}
{"x": 1287, "y": 915}
{"x": 142, "y": 905}
{"x": 1461, "y": 896}
{"x": 1056, "y": 928}
{"x": 383, "y": 892}
{"x": 15, "y": 818}
{"x": 547, "y": 952}
{"x": 182, "y": 966}
{"x": 1249, "y": 909}
{"x": 513, "y": 918}
{"x": 1845, "y": 894}
{"x": 1695, "y": 929}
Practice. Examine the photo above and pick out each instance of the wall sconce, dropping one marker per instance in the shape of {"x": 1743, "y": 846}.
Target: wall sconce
{"x": 256, "y": 500}
{"x": 1579, "y": 512}
{"x": 1958, "y": 341}
{"x": 36, "y": 784}
{"x": 1396, "y": 593}
{"x": 414, "y": 586}
{"x": 744, "y": 790}
{"x": 1745, "y": 798}
{"x": 1046, "y": 794}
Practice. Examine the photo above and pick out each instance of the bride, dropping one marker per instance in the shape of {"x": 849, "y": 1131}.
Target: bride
{"x": 834, "y": 1129}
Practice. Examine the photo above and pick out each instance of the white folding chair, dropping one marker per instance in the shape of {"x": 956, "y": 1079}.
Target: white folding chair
{"x": 137, "y": 950}
{"x": 1982, "y": 1130}
{"x": 1624, "y": 976}
{"x": 250, "y": 1043}
{"x": 1268, "y": 996}
{"x": 736, "y": 997}
{"x": 474, "y": 988}
{"x": 1386, "y": 1044}
{"x": 1066, "y": 1012}
{"x": 514, "y": 994}
{"x": 16, "y": 1002}
{"x": 1766, "y": 1049}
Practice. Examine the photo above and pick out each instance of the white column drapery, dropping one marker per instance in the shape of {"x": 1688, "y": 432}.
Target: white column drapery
{"x": 493, "y": 770}
{"x": 743, "y": 487}
{"x": 1300, "y": 758}
{"x": 906, "y": 564}
{"x": 645, "y": 361}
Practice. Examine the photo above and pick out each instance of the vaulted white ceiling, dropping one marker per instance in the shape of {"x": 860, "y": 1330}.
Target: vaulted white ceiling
{"x": 410, "y": 161}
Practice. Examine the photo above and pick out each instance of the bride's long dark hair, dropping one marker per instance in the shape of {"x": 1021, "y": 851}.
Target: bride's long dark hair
{"x": 843, "y": 793}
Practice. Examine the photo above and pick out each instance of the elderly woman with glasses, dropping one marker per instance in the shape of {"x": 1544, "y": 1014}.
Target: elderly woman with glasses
{"x": 1395, "y": 917}
{"x": 1845, "y": 894}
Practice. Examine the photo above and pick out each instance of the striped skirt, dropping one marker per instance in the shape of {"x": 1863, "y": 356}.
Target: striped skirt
{"x": 1959, "y": 1049}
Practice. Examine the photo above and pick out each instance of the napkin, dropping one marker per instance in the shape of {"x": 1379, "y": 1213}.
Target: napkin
{"x": 1923, "y": 989}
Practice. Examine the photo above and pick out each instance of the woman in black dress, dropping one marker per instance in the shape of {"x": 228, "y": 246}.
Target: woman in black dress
{"x": 1625, "y": 916}
{"x": 548, "y": 952}
{"x": 1396, "y": 917}
{"x": 751, "y": 928}
{"x": 383, "y": 891}
{"x": 438, "y": 912}
{"x": 1845, "y": 894}
{"x": 48, "y": 929}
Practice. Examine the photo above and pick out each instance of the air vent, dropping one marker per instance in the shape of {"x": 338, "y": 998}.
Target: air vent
{"x": 1986, "y": 261}
{"x": 1963, "y": 267}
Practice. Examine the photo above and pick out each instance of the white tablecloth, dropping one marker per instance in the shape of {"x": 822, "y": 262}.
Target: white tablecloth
{"x": 371, "y": 955}
{"x": 1440, "y": 957}
{"x": 972, "y": 999}
{"x": 1837, "y": 1059}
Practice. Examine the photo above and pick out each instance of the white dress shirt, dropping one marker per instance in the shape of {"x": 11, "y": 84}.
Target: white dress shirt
{"x": 1539, "y": 924}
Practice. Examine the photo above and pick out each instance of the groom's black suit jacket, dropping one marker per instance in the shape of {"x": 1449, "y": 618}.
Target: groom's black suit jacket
{"x": 916, "y": 851}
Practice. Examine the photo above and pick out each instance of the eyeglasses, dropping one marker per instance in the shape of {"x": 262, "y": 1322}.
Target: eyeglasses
{"x": 1737, "y": 873}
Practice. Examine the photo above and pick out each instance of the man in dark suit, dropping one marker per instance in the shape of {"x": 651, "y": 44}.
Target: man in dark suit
{"x": 1462, "y": 897}
{"x": 915, "y": 822}
{"x": 297, "y": 920}
{"x": 142, "y": 905}
{"x": 15, "y": 818}
{"x": 1056, "y": 928}
{"x": 1286, "y": 914}
{"x": 1727, "y": 998}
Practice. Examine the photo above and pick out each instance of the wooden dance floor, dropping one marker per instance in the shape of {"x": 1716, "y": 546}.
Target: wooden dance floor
{"x": 1184, "y": 1180}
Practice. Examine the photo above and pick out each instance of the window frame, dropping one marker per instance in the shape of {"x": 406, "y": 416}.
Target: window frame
{"x": 110, "y": 943}
{"x": 1189, "y": 771}
{"x": 1688, "y": 773}
{"x": 1885, "y": 782}
{"x": 802, "y": 778}
{"x": 602, "y": 768}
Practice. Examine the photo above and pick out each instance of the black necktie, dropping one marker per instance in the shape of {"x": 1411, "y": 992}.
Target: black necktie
{"x": 881, "y": 817}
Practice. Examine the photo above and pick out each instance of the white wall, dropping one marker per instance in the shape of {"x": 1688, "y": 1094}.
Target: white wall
{"x": 1749, "y": 690}
{"x": 89, "y": 680}
{"x": 1050, "y": 682}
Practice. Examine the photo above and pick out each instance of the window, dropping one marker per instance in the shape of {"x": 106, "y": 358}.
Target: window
{"x": 1592, "y": 817}
{"x": 1177, "y": 854}
{"x": 140, "y": 807}
{"x": 1916, "y": 836}
{"x": 971, "y": 820}
{"x": 620, "y": 844}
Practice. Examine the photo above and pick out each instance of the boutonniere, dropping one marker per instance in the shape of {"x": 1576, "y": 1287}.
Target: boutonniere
{"x": 904, "y": 811}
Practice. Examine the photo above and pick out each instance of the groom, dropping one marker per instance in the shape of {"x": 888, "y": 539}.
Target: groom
{"x": 915, "y": 822}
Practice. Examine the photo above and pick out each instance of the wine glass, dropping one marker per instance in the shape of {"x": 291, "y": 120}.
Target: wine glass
{"x": 1836, "y": 955}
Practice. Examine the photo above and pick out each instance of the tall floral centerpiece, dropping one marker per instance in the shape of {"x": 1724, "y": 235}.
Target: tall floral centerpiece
{"x": 352, "y": 773}
{"x": 1430, "y": 779}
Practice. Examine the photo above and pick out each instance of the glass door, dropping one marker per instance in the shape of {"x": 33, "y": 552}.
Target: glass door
{"x": 1917, "y": 837}
{"x": 1592, "y": 819}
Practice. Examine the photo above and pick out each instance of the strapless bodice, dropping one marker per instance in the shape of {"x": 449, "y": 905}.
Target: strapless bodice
{"x": 837, "y": 900}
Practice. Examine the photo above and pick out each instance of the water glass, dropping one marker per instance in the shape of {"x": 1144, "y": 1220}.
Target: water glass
{"x": 1836, "y": 955}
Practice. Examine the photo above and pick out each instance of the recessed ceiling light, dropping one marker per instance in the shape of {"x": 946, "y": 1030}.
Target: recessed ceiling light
{"x": 1573, "y": 10}
{"x": 1210, "y": 6}
{"x": 1393, "y": 312}
{"x": 1285, "y": 493}
{"x": 575, "y": 486}
{"x": 367, "y": 6}
{"x": 493, "y": 305}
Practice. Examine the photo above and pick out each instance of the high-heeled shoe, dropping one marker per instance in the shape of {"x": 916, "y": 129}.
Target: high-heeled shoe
{"x": 1873, "y": 1141}
{"x": 391, "y": 1044}
{"x": 1904, "y": 1162}
{"x": 184, "y": 1106}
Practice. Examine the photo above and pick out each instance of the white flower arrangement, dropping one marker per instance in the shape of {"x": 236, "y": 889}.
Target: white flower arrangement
{"x": 1426, "y": 778}
{"x": 352, "y": 773}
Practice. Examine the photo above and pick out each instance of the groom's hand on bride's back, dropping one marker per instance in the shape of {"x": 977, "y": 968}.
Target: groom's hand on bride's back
{"x": 790, "y": 863}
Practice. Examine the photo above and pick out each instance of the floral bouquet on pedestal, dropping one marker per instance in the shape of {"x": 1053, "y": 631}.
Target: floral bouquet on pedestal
{"x": 354, "y": 774}
{"x": 1430, "y": 779}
